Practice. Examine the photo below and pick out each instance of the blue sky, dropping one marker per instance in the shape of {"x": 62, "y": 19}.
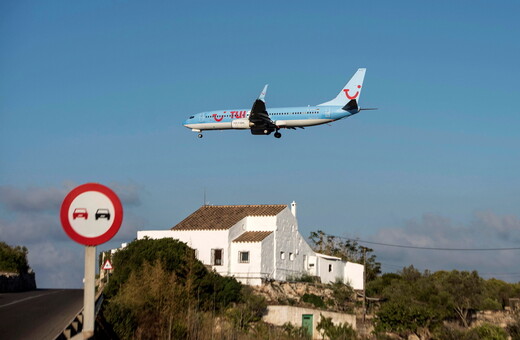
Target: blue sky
{"x": 96, "y": 91}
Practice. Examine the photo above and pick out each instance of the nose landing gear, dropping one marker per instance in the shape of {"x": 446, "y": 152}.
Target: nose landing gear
{"x": 277, "y": 134}
{"x": 200, "y": 135}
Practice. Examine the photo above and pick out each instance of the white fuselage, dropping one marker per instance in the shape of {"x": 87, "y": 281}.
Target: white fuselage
{"x": 288, "y": 117}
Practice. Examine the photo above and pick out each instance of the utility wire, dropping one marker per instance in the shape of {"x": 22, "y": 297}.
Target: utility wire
{"x": 425, "y": 248}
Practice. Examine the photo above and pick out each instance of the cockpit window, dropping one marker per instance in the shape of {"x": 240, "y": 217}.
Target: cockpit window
{"x": 191, "y": 117}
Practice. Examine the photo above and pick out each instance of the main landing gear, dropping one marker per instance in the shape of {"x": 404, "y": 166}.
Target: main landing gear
{"x": 200, "y": 135}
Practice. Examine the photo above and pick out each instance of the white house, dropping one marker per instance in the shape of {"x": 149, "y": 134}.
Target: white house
{"x": 254, "y": 243}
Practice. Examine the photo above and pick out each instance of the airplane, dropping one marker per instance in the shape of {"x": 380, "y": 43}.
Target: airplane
{"x": 262, "y": 121}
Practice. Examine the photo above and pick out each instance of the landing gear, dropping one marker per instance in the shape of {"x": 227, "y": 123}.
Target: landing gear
{"x": 200, "y": 135}
{"x": 277, "y": 134}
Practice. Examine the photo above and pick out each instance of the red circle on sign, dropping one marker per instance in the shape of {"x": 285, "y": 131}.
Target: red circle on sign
{"x": 116, "y": 222}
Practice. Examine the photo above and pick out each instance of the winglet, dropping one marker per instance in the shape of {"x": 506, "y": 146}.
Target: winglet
{"x": 262, "y": 94}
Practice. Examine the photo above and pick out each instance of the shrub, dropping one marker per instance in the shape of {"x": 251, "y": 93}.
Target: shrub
{"x": 336, "y": 332}
{"x": 13, "y": 259}
{"x": 489, "y": 332}
{"x": 313, "y": 299}
{"x": 160, "y": 290}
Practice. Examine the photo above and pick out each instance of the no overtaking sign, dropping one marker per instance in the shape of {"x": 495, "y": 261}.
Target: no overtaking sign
{"x": 91, "y": 214}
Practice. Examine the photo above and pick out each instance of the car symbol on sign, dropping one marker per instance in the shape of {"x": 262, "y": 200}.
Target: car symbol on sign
{"x": 80, "y": 213}
{"x": 102, "y": 213}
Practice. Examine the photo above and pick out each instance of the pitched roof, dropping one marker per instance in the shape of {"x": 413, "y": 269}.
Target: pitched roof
{"x": 253, "y": 236}
{"x": 222, "y": 217}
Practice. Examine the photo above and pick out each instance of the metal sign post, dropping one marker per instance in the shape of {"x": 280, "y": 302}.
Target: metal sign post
{"x": 89, "y": 295}
{"x": 91, "y": 214}
{"x": 108, "y": 267}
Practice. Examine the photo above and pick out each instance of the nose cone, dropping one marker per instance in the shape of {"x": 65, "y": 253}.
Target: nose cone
{"x": 189, "y": 123}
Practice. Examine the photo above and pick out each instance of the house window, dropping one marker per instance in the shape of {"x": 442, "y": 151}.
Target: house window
{"x": 330, "y": 268}
{"x": 282, "y": 255}
{"x": 291, "y": 256}
{"x": 217, "y": 256}
{"x": 243, "y": 256}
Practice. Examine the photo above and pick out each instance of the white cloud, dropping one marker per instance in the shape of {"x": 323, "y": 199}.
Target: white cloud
{"x": 31, "y": 219}
{"x": 32, "y": 199}
{"x": 57, "y": 265}
{"x": 484, "y": 230}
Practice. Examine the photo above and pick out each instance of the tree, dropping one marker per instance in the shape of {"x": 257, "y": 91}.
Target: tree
{"x": 160, "y": 290}
{"x": 405, "y": 318}
{"x": 13, "y": 259}
{"x": 464, "y": 291}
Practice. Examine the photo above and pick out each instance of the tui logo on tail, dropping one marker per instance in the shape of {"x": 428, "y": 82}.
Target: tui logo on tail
{"x": 354, "y": 96}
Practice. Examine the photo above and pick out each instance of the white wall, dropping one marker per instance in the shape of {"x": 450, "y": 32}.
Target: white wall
{"x": 267, "y": 259}
{"x": 337, "y": 272}
{"x": 261, "y": 223}
{"x": 354, "y": 275}
{"x": 154, "y": 234}
{"x": 247, "y": 273}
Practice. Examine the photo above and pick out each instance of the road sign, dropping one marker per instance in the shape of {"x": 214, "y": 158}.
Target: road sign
{"x": 108, "y": 265}
{"x": 91, "y": 214}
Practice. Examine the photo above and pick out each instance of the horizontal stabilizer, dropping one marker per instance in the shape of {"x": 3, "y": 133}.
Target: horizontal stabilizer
{"x": 351, "y": 106}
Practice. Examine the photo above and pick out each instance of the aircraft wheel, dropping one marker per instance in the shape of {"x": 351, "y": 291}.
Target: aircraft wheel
{"x": 278, "y": 134}
{"x": 200, "y": 135}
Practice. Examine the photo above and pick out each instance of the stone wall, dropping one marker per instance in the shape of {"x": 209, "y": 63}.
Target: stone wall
{"x": 501, "y": 318}
{"x": 13, "y": 282}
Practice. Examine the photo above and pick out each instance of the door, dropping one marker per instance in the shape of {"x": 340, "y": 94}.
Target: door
{"x": 307, "y": 324}
{"x": 327, "y": 112}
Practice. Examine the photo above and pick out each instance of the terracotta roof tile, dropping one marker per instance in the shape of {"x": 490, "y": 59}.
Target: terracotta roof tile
{"x": 253, "y": 236}
{"x": 222, "y": 217}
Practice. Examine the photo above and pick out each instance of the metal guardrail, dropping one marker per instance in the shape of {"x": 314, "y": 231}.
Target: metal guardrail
{"x": 75, "y": 326}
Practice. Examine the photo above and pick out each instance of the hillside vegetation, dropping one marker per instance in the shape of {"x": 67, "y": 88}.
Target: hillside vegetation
{"x": 440, "y": 305}
{"x": 159, "y": 290}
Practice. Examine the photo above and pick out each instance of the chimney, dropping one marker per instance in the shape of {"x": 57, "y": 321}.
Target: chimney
{"x": 293, "y": 208}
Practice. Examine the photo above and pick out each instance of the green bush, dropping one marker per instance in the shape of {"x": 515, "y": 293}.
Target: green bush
{"x": 13, "y": 259}
{"x": 336, "y": 332}
{"x": 489, "y": 332}
{"x": 490, "y": 304}
{"x": 313, "y": 299}
{"x": 160, "y": 290}
{"x": 251, "y": 309}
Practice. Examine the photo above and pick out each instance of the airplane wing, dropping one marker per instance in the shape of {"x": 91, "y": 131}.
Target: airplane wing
{"x": 262, "y": 123}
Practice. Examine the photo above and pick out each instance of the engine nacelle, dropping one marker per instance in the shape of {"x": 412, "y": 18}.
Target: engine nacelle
{"x": 280, "y": 123}
{"x": 241, "y": 124}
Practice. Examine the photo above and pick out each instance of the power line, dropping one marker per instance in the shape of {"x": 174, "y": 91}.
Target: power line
{"x": 425, "y": 248}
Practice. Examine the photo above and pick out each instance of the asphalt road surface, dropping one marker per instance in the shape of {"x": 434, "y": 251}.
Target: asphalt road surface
{"x": 38, "y": 314}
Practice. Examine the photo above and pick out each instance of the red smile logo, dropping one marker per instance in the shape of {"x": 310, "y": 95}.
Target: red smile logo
{"x": 217, "y": 118}
{"x": 354, "y": 96}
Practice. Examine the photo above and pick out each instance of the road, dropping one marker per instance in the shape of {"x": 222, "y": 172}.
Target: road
{"x": 38, "y": 314}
